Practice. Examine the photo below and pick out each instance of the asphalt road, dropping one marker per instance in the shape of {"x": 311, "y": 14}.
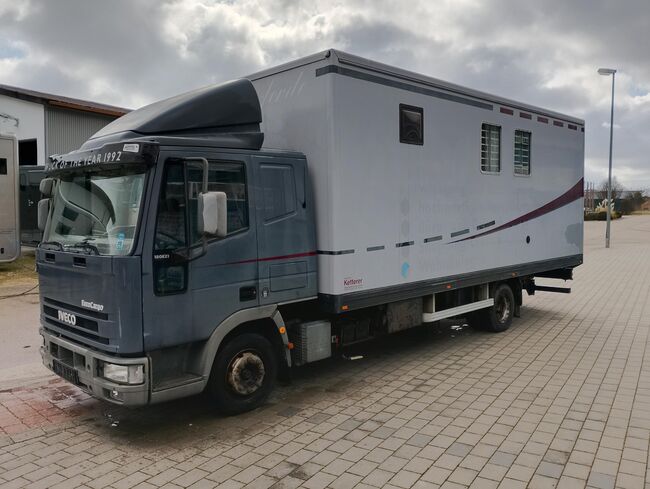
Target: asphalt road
{"x": 19, "y": 338}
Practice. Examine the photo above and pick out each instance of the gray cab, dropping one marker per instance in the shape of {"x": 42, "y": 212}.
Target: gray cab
{"x": 139, "y": 297}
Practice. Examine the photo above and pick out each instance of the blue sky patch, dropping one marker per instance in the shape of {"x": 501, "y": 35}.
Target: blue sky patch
{"x": 10, "y": 50}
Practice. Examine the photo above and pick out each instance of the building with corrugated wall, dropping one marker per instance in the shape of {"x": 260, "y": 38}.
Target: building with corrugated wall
{"x": 66, "y": 130}
{"x": 47, "y": 124}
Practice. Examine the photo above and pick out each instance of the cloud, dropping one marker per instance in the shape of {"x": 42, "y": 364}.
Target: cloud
{"x": 544, "y": 53}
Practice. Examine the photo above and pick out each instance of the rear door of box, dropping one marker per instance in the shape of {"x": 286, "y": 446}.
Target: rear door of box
{"x": 9, "y": 225}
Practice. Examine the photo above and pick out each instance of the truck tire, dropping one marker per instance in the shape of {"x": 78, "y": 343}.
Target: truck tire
{"x": 498, "y": 318}
{"x": 243, "y": 374}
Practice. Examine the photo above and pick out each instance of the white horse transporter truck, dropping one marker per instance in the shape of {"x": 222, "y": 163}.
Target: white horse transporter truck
{"x": 9, "y": 208}
{"x": 216, "y": 239}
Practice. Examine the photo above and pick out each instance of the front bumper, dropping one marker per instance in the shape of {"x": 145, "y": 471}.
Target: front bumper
{"x": 80, "y": 366}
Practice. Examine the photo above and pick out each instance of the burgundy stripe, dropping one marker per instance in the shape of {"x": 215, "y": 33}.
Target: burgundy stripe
{"x": 272, "y": 258}
{"x": 542, "y": 119}
{"x": 558, "y": 123}
{"x": 574, "y": 193}
{"x": 525, "y": 115}
{"x": 506, "y": 111}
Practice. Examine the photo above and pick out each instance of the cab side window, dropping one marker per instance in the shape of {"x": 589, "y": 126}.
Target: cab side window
{"x": 171, "y": 231}
{"x": 171, "y": 225}
{"x": 223, "y": 176}
{"x": 279, "y": 191}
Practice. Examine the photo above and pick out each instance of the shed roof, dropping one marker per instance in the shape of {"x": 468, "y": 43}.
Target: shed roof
{"x": 60, "y": 101}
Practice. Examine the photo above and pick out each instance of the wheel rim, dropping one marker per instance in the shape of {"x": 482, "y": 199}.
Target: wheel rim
{"x": 245, "y": 374}
{"x": 502, "y": 309}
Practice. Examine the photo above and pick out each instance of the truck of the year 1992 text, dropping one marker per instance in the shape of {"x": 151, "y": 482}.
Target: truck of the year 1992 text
{"x": 216, "y": 239}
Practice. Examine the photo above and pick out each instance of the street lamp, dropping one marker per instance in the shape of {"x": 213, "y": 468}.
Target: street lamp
{"x": 607, "y": 72}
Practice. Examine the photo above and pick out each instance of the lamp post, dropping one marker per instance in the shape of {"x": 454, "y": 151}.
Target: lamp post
{"x": 607, "y": 72}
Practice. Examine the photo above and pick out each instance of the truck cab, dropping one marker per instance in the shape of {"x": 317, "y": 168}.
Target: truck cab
{"x": 170, "y": 240}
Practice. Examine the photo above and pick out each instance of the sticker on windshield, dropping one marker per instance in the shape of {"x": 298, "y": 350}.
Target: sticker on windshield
{"x": 131, "y": 148}
{"x": 119, "y": 245}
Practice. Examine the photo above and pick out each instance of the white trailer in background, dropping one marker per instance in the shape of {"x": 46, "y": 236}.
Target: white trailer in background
{"x": 9, "y": 218}
{"x": 422, "y": 185}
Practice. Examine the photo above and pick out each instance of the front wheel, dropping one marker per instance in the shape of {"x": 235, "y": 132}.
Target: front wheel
{"x": 243, "y": 374}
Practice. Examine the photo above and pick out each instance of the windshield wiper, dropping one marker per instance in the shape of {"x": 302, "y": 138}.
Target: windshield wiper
{"x": 83, "y": 245}
{"x": 53, "y": 243}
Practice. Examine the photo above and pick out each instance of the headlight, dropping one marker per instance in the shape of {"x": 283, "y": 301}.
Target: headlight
{"x": 123, "y": 374}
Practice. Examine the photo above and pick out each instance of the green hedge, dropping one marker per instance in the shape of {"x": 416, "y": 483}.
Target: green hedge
{"x": 600, "y": 216}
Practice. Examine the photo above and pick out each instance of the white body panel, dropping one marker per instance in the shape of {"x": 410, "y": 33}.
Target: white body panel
{"x": 373, "y": 191}
{"x": 9, "y": 219}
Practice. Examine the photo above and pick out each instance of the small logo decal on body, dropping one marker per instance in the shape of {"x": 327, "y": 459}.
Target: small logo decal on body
{"x": 350, "y": 283}
{"x": 405, "y": 269}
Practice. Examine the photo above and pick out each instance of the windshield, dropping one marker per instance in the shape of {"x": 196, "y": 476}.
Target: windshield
{"x": 96, "y": 212}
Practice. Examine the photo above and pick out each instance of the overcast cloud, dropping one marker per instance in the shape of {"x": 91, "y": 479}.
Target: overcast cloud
{"x": 129, "y": 53}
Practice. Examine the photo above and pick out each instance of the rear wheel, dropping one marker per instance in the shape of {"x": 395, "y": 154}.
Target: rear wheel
{"x": 498, "y": 317}
{"x": 243, "y": 374}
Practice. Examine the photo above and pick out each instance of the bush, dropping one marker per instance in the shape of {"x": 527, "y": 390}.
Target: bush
{"x": 600, "y": 216}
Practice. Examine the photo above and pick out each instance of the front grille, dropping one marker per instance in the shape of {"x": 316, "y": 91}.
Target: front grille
{"x": 86, "y": 312}
{"x": 66, "y": 363}
{"x": 85, "y": 325}
{"x": 78, "y": 332}
{"x": 68, "y": 357}
{"x": 82, "y": 322}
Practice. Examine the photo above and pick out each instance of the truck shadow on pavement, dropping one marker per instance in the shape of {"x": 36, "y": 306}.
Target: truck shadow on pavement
{"x": 57, "y": 405}
{"x": 192, "y": 419}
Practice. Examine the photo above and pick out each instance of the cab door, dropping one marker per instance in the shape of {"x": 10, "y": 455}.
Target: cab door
{"x": 196, "y": 285}
{"x": 285, "y": 231}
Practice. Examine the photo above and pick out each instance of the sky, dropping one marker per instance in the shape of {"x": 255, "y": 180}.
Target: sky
{"x": 546, "y": 53}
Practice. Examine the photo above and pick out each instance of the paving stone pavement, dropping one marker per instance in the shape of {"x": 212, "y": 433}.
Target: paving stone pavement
{"x": 562, "y": 399}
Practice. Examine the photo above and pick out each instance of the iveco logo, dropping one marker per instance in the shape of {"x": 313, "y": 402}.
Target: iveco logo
{"x": 66, "y": 317}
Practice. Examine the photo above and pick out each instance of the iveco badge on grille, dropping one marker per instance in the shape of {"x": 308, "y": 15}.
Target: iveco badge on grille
{"x": 68, "y": 318}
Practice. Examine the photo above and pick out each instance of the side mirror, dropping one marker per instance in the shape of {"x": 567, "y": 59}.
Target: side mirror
{"x": 43, "y": 211}
{"x": 213, "y": 215}
{"x": 46, "y": 187}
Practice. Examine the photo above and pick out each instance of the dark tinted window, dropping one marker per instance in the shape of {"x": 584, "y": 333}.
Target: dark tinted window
{"x": 3, "y": 166}
{"x": 170, "y": 228}
{"x": 279, "y": 191}
{"x": 411, "y": 124}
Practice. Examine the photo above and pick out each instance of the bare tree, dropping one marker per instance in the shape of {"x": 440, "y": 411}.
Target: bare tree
{"x": 617, "y": 189}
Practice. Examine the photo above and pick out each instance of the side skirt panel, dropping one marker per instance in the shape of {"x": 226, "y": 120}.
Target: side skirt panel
{"x": 358, "y": 300}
